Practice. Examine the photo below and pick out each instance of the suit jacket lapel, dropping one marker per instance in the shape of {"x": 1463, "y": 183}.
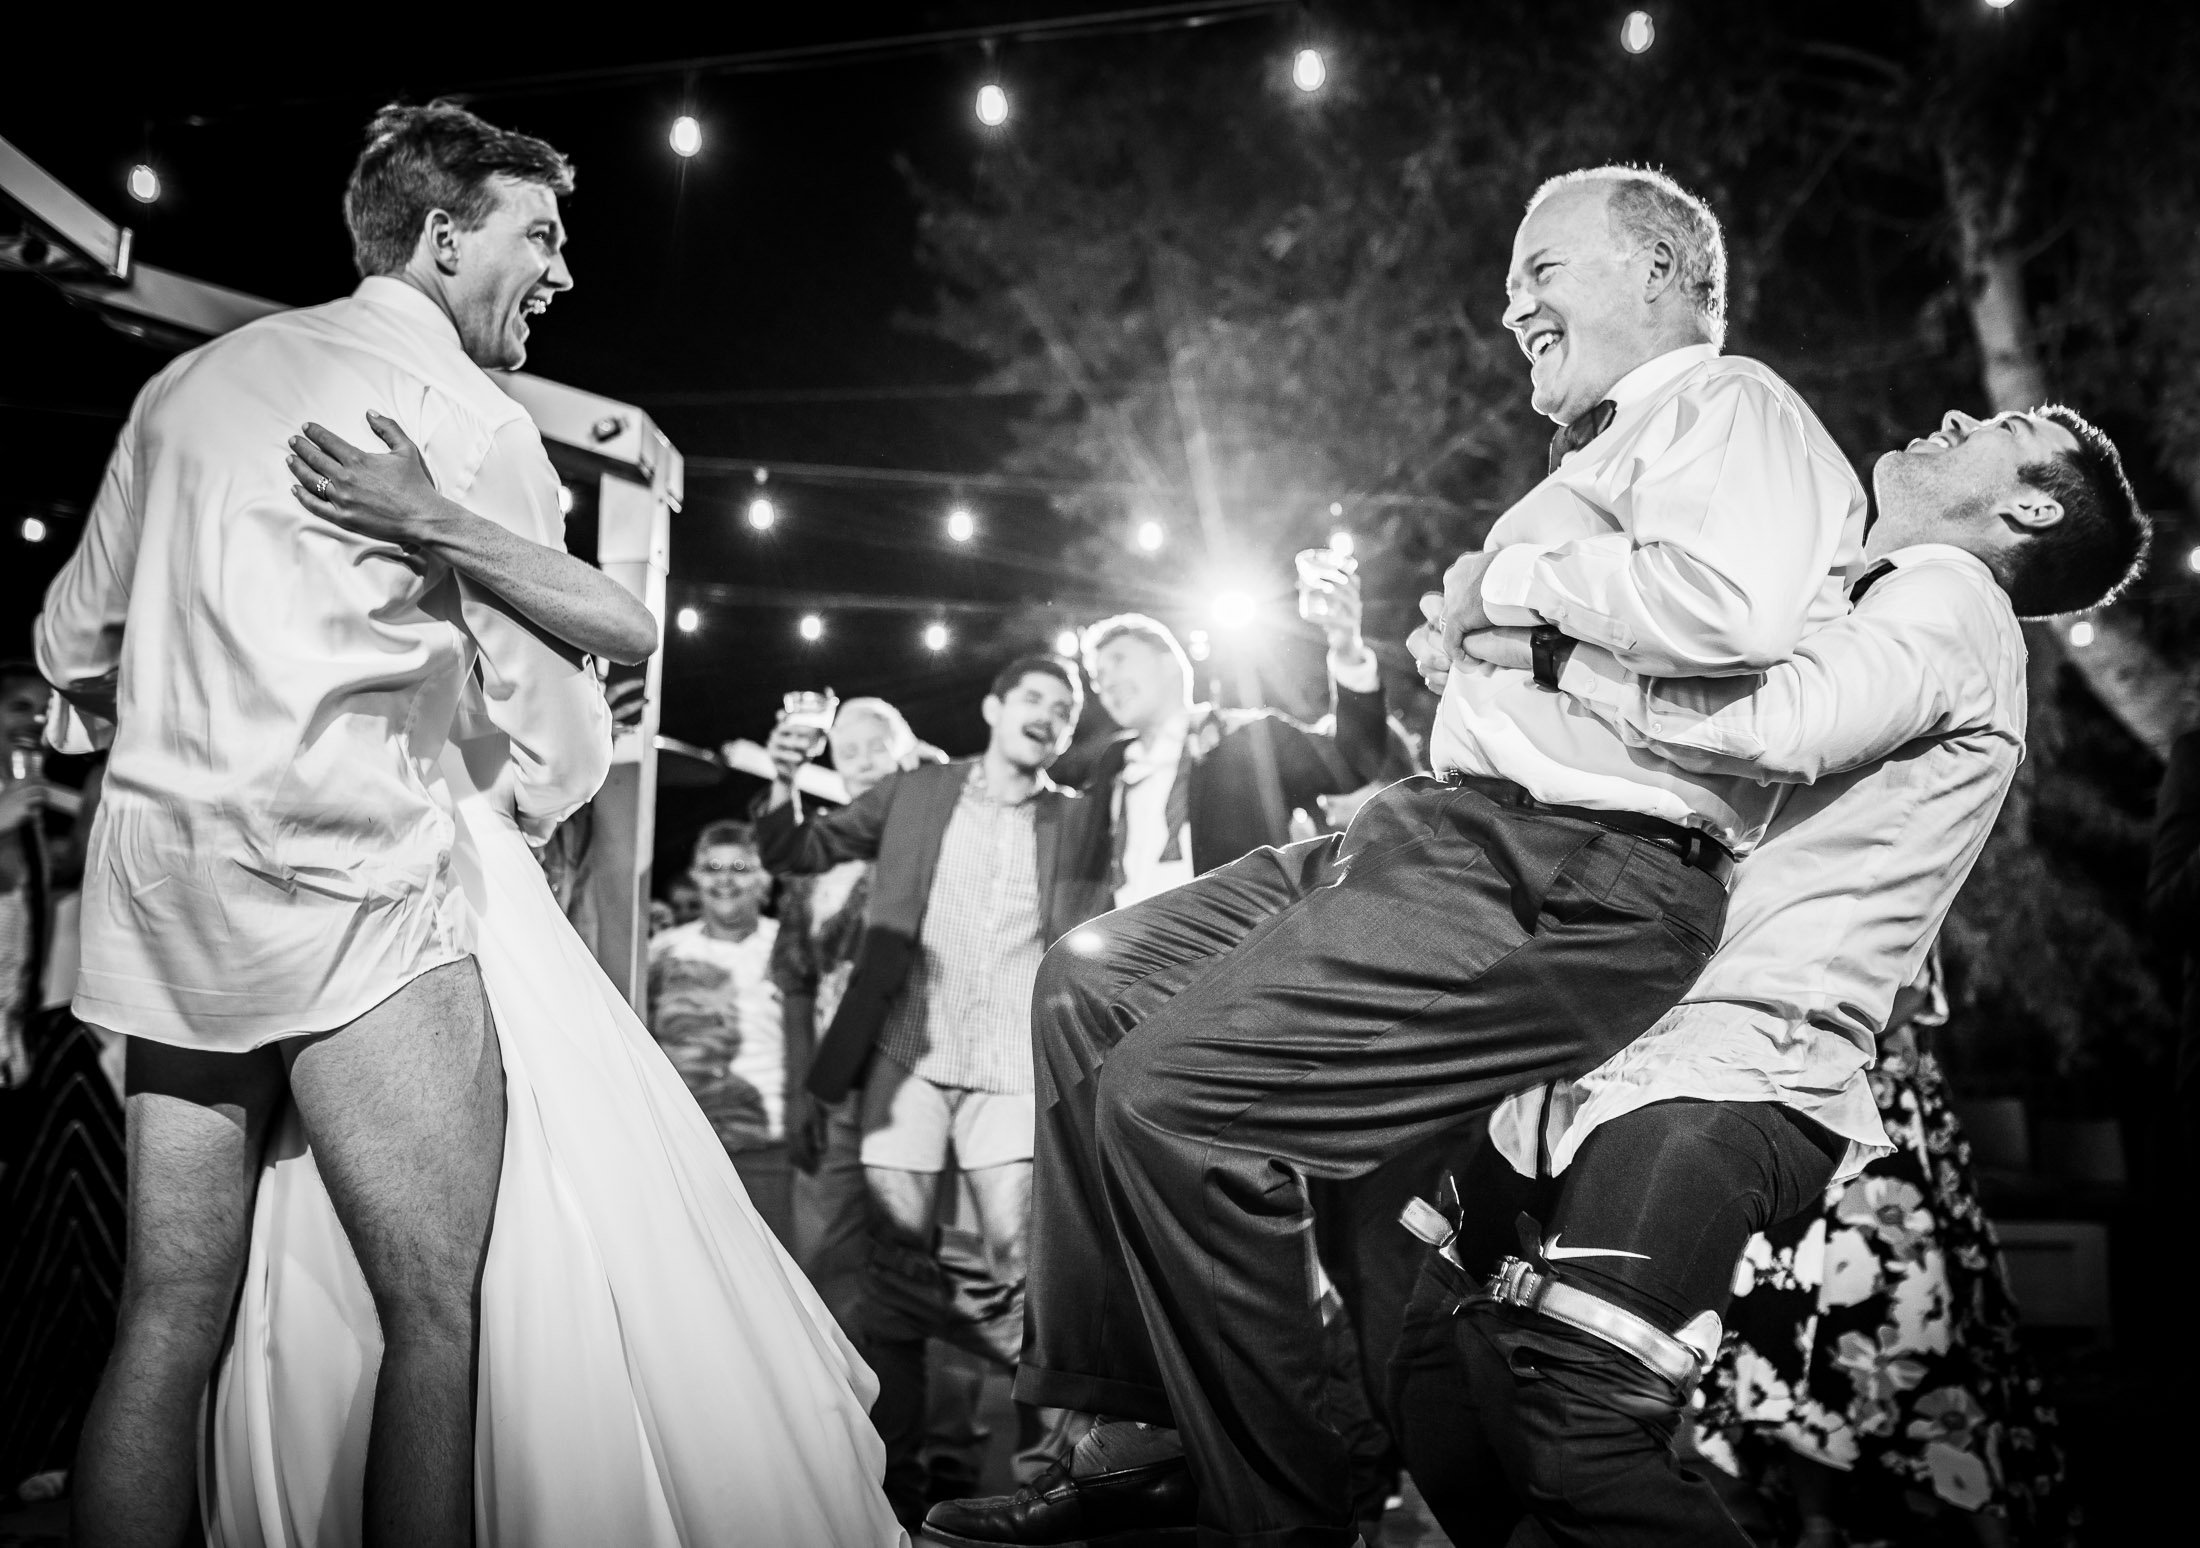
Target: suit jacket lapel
{"x": 935, "y": 810}
{"x": 1046, "y": 826}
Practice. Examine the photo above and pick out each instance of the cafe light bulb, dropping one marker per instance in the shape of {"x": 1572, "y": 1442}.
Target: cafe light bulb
{"x": 687, "y": 136}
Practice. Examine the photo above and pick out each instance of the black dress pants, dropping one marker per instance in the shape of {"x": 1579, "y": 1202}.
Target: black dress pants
{"x": 1308, "y": 1013}
{"x": 1504, "y": 1414}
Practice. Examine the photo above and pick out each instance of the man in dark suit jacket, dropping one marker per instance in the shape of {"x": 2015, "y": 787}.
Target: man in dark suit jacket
{"x": 979, "y": 870}
{"x": 1187, "y": 787}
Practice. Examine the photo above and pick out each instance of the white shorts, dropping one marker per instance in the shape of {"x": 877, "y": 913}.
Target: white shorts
{"x": 912, "y": 1125}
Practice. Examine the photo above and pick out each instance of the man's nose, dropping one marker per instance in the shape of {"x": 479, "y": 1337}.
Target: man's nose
{"x": 1956, "y": 424}
{"x": 560, "y": 276}
{"x": 1519, "y": 307}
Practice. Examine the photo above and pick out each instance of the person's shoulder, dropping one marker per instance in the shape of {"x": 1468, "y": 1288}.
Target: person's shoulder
{"x": 670, "y": 943}
{"x": 1937, "y": 579}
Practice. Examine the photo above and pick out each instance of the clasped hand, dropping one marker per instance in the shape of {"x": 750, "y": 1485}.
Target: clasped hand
{"x": 1433, "y": 659}
{"x": 388, "y": 496}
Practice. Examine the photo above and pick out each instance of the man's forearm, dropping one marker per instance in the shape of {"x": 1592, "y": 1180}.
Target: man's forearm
{"x": 561, "y": 594}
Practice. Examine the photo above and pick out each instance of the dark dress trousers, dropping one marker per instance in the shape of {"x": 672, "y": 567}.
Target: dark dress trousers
{"x": 899, "y": 822}
{"x": 1304, "y": 1014}
{"x": 2173, "y": 897}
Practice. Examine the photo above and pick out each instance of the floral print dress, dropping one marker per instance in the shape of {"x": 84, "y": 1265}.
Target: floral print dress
{"x": 1878, "y": 1336}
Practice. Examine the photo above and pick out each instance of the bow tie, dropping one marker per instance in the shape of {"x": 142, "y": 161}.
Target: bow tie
{"x": 1585, "y": 428}
{"x": 1869, "y": 579}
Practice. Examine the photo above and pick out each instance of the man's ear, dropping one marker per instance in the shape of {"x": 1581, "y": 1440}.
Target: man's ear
{"x": 440, "y": 232}
{"x": 991, "y": 709}
{"x": 2028, "y": 512}
{"x": 1663, "y": 269}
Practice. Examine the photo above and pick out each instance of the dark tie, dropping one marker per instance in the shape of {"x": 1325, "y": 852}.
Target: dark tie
{"x": 1869, "y": 579}
{"x": 1585, "y": 428}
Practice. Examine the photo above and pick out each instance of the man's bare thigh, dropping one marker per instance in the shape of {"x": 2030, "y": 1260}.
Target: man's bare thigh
{"x": 404, "y": 1109}
{"x": 196, "y": 1123}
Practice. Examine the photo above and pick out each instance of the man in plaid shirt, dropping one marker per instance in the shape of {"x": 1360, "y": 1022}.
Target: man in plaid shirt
{"x": 979, "y": 871}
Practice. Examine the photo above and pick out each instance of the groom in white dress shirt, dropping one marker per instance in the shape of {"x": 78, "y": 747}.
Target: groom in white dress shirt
{"x": 270, "y": 913}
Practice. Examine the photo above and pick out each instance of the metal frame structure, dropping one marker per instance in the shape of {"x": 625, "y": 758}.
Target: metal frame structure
{"x": 638, "y": 476}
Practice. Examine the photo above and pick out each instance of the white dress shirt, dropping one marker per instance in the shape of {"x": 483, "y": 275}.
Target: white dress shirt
{"x": 1701, "y": 534}
{"x": 272, "y": 851}
{"x": 1150, "y": 771}
{"x": 1919, "y": 696}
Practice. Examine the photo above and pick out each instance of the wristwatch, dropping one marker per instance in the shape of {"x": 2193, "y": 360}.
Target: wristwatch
{"x": 1549, "y": 649}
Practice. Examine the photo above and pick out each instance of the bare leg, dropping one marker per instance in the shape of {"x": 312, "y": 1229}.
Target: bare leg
{"x": 1003, "y": 1195}
{"x": 404, "y": 1109}
{"x": 196, "y": 1124}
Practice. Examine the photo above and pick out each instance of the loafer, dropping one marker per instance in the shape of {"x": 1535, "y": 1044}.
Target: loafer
{"x": 1154, "y": 1506}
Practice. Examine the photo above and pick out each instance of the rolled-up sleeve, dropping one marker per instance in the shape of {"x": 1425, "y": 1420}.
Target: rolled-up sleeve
{"x": 1729, "y": 532}
{"x": 77, "y": 637}
{"x": 1917, "y": 658}
{"x": 542, "y": 696}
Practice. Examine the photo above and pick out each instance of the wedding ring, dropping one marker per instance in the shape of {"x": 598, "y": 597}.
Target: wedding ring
{"x": 322, "y": 486}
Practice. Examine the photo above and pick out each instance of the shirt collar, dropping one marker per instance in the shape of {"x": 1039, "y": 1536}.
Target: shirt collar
{"x": 1654, "y": 373}
{"x": 974, "y": 788}
{"x": 1928, "y": 553}
{"x": 394, "y": 294}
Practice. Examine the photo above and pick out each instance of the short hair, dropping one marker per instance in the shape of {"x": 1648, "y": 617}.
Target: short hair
{"x": 1045, "y": 666}
{"x": 2090, "y": 557}
{"x": 22, "y": 671}
{"x": 897, "y": 724}
{"x": 1139, "y": 627}
{"x": 438, "y": 157}
{"x": 1645, "y": 206}
{"x": 725, "y": 830}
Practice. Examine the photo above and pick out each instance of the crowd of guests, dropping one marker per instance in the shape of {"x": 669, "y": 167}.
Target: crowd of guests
{"x": 846, "y": 991}
{"x": 850, "y": 1005}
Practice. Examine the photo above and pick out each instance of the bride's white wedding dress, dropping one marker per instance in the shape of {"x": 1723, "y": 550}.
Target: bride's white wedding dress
{"x": 654, "y": 1369}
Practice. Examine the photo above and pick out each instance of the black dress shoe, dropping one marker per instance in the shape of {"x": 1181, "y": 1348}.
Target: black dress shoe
{"x": 1154, "y": 1506}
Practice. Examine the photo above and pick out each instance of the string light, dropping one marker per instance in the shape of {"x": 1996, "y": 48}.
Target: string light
{"x": 1066, "y": 643}
{"x": 961, "y": 525}
{"x": 687, "y": 136}
{"x": 143, "y": 183}
{"x": 687, "y": 620}
{"x": 992, "y": 105}
{"x": 762, "y": 513}
{"x": 811, "y": 628}
{"x": 565, "y": 499}
{"x": 2001, "y": 5}
{"x": 1151, "y": 535}
{"x": 33, "y": 529}
{"x": 1340, "y": 544}
{"x": 1196, "y": 645}
{"x": 2081, "y": 633}
{"x": 1638, "y": 32}
{"x": 2192, "y": 560}
{"x": 1233, "y": 610}
{"x": 1307, "y": 70}
{"x": 935, "y": 637}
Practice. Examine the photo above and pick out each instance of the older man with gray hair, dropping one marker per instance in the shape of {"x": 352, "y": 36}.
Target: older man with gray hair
{"x": 1316, "y": 1011}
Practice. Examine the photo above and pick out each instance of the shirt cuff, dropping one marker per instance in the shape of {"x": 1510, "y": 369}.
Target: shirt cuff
{"x": 1507, "y": 583}
{"x": 1594, "y": 678}
{"x": 1362, "y": 676}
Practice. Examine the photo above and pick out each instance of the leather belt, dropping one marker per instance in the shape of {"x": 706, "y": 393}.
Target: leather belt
{"x": 1697, "y": 849}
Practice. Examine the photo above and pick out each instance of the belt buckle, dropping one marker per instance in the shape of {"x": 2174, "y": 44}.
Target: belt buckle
{"x": 1516, "y": 1283}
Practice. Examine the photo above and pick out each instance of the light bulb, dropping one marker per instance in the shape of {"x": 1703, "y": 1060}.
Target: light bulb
{"x": 687, "y": 136}
{"x": 1307, "y": 70}
{"x": 935, "y": 636}
{"x": 1195, "y": 645}
{"x": 1151, "y": 536}
{"x": 34, "y": 530}
{"x": 1340, "y": 544}
{"x": 961, "y": 525}
{"x": 687, "y": 620}
{"x": 144, "y": 183}
{"x": 565, "y": 499}
{"x": 811, "y": 627}
{"x": 992, "y": 105}
{"x": 2192, "y": 560}
{"x": 1638, "y": 32}
{"x": 1066, "y": 643}
{"x": 762, "y": 514}
{"x": 2001, "y": 5}
{"x": 1233, "y": 610}
{"x": 2081, "y": 633}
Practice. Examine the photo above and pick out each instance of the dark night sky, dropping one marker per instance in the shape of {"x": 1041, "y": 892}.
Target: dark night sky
{"x": 778, "y": 259}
